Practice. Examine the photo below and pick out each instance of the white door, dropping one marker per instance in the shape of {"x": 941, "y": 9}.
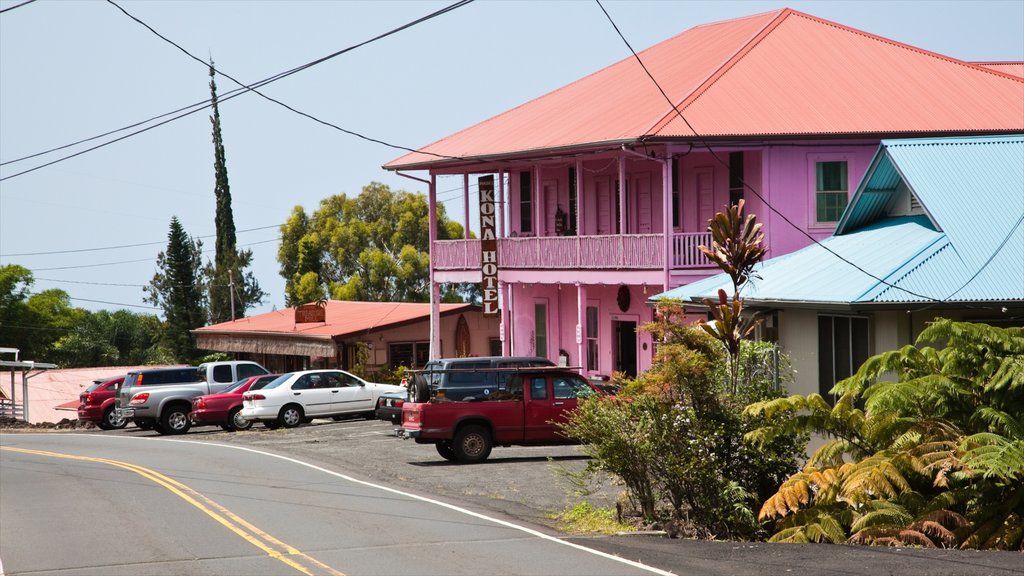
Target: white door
{"x": 312, "y": 392}
{"x": 350, "y": 395}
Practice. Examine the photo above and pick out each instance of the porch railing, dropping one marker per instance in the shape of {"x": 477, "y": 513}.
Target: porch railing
{"x": 624, "y": 252}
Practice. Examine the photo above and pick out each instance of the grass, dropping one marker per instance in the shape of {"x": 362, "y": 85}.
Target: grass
{"x": 584, "y": 518}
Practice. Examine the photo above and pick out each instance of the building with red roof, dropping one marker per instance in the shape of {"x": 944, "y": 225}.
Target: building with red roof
{"x": 602, "y": 189}
{"x": 380, "y": 336}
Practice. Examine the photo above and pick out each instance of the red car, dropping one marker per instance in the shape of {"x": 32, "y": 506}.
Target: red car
{"x": 96, "y": 404}
{"x": 225, "y": 407}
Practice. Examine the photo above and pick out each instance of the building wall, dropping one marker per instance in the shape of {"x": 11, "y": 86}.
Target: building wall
{"x": 563, "y": 316}
{"x": 481, "y": 331}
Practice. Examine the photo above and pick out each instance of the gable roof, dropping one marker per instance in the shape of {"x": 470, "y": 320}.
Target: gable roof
{"x": 781, "y": 74}
{"x": 967, "y": 247}
{"x": 343, "y": 319}
{"x": 1012, "y": 68}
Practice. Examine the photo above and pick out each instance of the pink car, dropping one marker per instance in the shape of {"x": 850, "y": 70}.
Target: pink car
{"x": 225, "y": 407}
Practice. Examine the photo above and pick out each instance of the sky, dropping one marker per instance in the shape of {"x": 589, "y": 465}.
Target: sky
{"x": 92, "y": 225}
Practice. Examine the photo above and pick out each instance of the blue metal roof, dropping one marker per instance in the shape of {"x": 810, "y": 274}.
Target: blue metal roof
{"x": 968, "y": 247}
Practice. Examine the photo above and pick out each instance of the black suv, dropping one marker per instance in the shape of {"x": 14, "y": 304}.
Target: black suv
{"x": 467, "y": 378}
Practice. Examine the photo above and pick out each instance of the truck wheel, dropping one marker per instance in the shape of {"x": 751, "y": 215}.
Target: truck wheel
{"x": 290, "y": 416}
{"x": 418, "y": 389}
{"x": 175, "y": 420}
{"x": 145, "y": 423}
{"x": 237, "y": 421}
{"x": 111, "y": 421}
{"x": 472, "y": 444}
{"x": 446, "y": 451}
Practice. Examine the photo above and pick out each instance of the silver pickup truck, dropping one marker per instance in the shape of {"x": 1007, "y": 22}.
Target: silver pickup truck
{"x": 161, "y": 398}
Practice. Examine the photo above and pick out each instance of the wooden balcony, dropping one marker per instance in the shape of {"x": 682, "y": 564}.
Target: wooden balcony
{"x": 625, "y": 252}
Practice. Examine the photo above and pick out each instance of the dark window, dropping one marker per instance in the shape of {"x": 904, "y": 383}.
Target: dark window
{"x": 592, "y": 332}
{"x": 735, "y": 177}
{"x": 843, "y": 345}
{"x": 347, "y": 380}
{"x": 525, "y": 202}
{"x": 571, "y": 228}
{"x": 249, "y": 370}
{"x": 408, "y": 354}
{"x": 304, "y": 383}
{"x": 494, "y": 346}
{"x": 831, "y": 190}
{"x": 539, "y": 388}
{"x": 540, "y": 327}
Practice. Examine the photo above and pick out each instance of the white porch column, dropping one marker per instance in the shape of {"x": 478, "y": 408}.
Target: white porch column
{"x": 501, "y": 204}
{"x": 435, "y": 288}
{"x": 465, "y": 206}
{"x": 581, "y": 327}
{"x": 666, "y": 216}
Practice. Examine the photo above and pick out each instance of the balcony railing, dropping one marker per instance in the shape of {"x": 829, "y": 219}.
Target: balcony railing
{"x": 625, "y": 252}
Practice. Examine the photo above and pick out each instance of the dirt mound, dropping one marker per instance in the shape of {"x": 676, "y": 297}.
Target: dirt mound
{"x": 8, "y": 423}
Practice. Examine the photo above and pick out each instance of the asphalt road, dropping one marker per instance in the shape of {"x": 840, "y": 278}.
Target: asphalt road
{"x": 523, "y": 486}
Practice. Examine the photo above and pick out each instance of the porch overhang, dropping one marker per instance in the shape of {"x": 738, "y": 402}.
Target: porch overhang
{"x": 267, "y": 343}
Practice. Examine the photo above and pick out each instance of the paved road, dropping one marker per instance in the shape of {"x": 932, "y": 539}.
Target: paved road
{"x": 187, "y": 508}
{"x": 522, "y": 485}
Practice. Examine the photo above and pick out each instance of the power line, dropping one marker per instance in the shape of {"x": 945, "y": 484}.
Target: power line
{"x": 747, "y": 186}
{"x": 193, "y": 108}
{"x": 9, "y": 8}
{"x": 125, "y": 245}
{"x": 79, "y": 266}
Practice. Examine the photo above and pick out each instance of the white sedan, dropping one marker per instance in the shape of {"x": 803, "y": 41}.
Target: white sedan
{"x": 301, "y": 396}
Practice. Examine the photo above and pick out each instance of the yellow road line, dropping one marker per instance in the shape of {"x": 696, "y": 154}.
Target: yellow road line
{"x": 272, "y": 546}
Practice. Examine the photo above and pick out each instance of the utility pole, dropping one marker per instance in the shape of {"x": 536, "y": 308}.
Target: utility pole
{"x": 231, "y": 288}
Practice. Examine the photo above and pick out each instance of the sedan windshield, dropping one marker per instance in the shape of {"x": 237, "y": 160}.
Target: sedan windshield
{"x": 277, "y": 381}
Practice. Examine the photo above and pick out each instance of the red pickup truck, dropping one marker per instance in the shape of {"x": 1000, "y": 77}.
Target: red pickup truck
{"x": 525, "y": 413}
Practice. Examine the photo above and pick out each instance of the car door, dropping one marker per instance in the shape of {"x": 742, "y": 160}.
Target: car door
{"x": 350, "y": 394}
{"x": 538, "y": 408}
{"x": 566, "y": 390}
{"x": 312, "y": 391}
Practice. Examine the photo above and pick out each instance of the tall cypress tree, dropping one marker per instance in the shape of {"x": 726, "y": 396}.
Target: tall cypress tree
{"x": 177, "y": 288}
{"x": 227, "y": 273}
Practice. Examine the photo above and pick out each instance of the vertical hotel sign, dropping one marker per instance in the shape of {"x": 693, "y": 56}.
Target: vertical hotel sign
{"x": 488, "y": 246}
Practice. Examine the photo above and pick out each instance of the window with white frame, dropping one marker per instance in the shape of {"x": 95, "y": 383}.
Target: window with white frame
{"x": 525, "y": 202}
{"x": 844, "y": 343}
{"x": 540, "y": 328}
{"x": 831, "y": 190}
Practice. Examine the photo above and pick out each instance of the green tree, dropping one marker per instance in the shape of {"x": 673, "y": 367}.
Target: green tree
{"x": 676, "y": 433}
{"x": 178, "y": 288}
{"x": 119, "y": 338}
{"x": 373, "y": 247}
{"x": 935, "y": 458}
{"x": 232, "y": 289}
{"x": 32, "y": 322}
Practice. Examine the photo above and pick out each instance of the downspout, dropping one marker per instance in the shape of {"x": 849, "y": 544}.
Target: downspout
{"x": 435, "y": 290}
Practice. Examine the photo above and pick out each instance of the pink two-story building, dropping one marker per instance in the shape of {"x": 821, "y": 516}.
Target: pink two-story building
{"x": 603, "y": 188}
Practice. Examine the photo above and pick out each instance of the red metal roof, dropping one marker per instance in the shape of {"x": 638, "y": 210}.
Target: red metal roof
{"x": 782, "y": 73}
{"x": 342, "y": 319}
{"x": 1013, "y": 68}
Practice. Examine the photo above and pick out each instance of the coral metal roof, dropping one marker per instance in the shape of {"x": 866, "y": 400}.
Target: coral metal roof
{"x": 968, "y": 247}
{"x": 343, "y": 318}
{"x": 781, "y": 73}
{"x": 1012, "y": 68}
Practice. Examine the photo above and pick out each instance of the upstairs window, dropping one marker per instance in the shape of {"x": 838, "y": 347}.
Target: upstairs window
{"x": 831, "y": 190}
{"x": 525, "y": 202}
{"x": 573, "y": 201}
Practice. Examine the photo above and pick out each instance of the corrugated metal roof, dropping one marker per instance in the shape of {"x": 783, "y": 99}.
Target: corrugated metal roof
{"x": 973, "y": 188}
{"x": 1014, "y": 68}
{"x": 779, "y": 73}
{"x": 343, "y": 318}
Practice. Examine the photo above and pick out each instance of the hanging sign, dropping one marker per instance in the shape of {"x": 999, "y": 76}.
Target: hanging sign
{"x": 316, "y": 312}
{"x": 488, "y": 246}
